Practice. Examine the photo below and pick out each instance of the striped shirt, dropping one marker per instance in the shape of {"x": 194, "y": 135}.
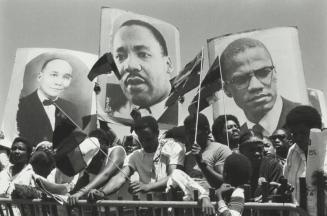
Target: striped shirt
{"x": 235, "y": 206}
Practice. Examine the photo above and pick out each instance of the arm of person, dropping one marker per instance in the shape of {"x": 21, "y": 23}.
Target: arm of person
{"x": 153, "y": 186}
{"x": 236, "y": 204}
{"x": 53, "y": 188}
{"x": 117, "y": 181}
{"x": 115, "y": 162}
{"x": 213, "y": 174}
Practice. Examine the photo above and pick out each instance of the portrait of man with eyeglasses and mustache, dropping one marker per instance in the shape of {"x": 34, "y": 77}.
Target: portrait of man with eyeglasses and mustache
{"x": 249, "y": 76}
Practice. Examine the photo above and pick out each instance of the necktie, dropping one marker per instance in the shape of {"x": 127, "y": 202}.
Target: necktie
{"x": 47, "y": 102}
{"x": 145, "y": 111}
{"x": 257, "y": 128}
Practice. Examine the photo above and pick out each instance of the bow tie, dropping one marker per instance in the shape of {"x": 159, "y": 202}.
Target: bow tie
{"x": 47, "y": 102}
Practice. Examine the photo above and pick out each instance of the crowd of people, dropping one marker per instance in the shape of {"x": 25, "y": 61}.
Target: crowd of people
{"x": 193, "y": 156}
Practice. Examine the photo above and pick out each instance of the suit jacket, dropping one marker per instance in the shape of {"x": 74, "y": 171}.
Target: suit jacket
{"x": 33, "y": 122}
{"x": 286, "y": 108}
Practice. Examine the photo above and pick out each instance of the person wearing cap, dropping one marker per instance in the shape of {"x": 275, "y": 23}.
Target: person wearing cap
{"x": 264, "y": 169}
{"x": 38, "y": 113}
{"x": 299, "y": 121}
{"x": 154, "y": 162}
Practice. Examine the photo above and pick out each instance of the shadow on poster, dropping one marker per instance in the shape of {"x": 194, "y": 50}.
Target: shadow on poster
{"x": 146, "y": 52}
{"x": 48, "y": 86}
{"x": 263, "y": 76}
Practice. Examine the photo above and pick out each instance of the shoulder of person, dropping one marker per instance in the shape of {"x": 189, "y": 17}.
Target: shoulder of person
{"x": 220, "y": 146}
{"x": 116, "y": 148}
{"x": 171, "y": 146}
{"x": 135, "y": 154}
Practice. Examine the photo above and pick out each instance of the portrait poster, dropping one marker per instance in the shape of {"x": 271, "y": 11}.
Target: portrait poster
{"x": 36, "y": 70}
{"x": 283, "y": 47}
{"x": 117, "y": 98}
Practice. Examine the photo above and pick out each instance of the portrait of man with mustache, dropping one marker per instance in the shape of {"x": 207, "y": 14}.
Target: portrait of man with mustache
{"x": 141, "y": 55}
{"x": 249, "y": 76}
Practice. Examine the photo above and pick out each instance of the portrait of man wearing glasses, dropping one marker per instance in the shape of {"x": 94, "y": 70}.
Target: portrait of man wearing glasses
{"x": 249, "y": 76}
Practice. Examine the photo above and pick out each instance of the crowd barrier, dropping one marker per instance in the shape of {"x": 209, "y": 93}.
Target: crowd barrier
{"x": 150, "y": 207}
{"x": 128, "y": 208}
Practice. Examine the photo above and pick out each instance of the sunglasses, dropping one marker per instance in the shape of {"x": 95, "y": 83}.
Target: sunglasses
{"x": 278, "y": 136}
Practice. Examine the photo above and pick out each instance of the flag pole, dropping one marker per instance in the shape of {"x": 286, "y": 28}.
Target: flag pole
{"x": 198, "y": 106}
{"x": 61, "y": 110}
{"x": 224, "y": 104}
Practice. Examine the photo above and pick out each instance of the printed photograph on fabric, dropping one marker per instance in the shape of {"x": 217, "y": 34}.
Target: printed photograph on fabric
{"x": 263, "y": 76}
{"x": 48, "y": 87}
{"x": 147, "y": 54}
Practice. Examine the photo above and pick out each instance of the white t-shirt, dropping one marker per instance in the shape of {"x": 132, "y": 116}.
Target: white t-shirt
{"x": 152, "y": 167}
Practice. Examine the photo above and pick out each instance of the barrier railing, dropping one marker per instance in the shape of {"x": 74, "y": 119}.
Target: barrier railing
{"x": 125, "y": 208}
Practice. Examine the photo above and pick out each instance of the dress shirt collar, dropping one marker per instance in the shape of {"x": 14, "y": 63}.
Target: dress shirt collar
{"x": 270, "y": 121}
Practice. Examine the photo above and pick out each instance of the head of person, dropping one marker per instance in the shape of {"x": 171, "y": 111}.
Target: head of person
{"x": 282, "y": 141}
{"x": 55, "y": 76}
{"x": 268, "y": 147}
{"x": 43, "y": 162}
{"x": 177, "y": 133}
{"x": 226, "y": 125}
{"x": 249, "y": 76}
{"x": 237, "y": 170}
{"x": 203, "y": 131}
{"x": 130, "y": 144}
{"x": 251, "y": 145}
{"x": 146, "y": 128}
{"x": 106, "y": 139}
{"x": 141, "y": 55}
{"x": 20, "y": 151}
{"x": 300, "y": 121}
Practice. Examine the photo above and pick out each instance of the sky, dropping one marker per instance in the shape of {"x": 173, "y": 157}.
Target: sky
{"x": 75, "y": 24}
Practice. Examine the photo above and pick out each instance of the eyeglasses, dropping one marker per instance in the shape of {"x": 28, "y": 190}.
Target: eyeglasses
{"x": 278, "y": 136}
{"x": 242, "y": 81}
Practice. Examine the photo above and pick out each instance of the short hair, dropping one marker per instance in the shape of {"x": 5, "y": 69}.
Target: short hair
{"x": 106, "y": 137}
{"x": 249, "y": 135}
{"x": 219, "y": 125}
{"x": 235, "y": 47}
{"x": 203, "y": 122}
{"x": 238, "y": 169}
{"x": 146, "y": 122}
{"x": 50, "y": 60}
{"x": 43, "y": 159}
{"x": 287, "y": 132}
{"x": 306, "y": 115}
{"x": 156, "y": 33}
{"x": 29, "y": 147}
{"x": 177, "y": 133}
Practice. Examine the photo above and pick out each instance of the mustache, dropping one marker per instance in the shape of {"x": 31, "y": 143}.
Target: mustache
{"x": 134, "y": 77}
{"x": 256, "y": 96}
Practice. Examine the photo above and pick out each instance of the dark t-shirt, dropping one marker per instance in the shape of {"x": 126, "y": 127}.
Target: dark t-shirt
{"x": 270, "y": 169}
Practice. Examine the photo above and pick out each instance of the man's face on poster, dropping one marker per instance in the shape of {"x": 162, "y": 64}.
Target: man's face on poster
{"x": 55, "y": 77}
{"x": 145, "y": 70}
{"x": 251, "y": 80}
